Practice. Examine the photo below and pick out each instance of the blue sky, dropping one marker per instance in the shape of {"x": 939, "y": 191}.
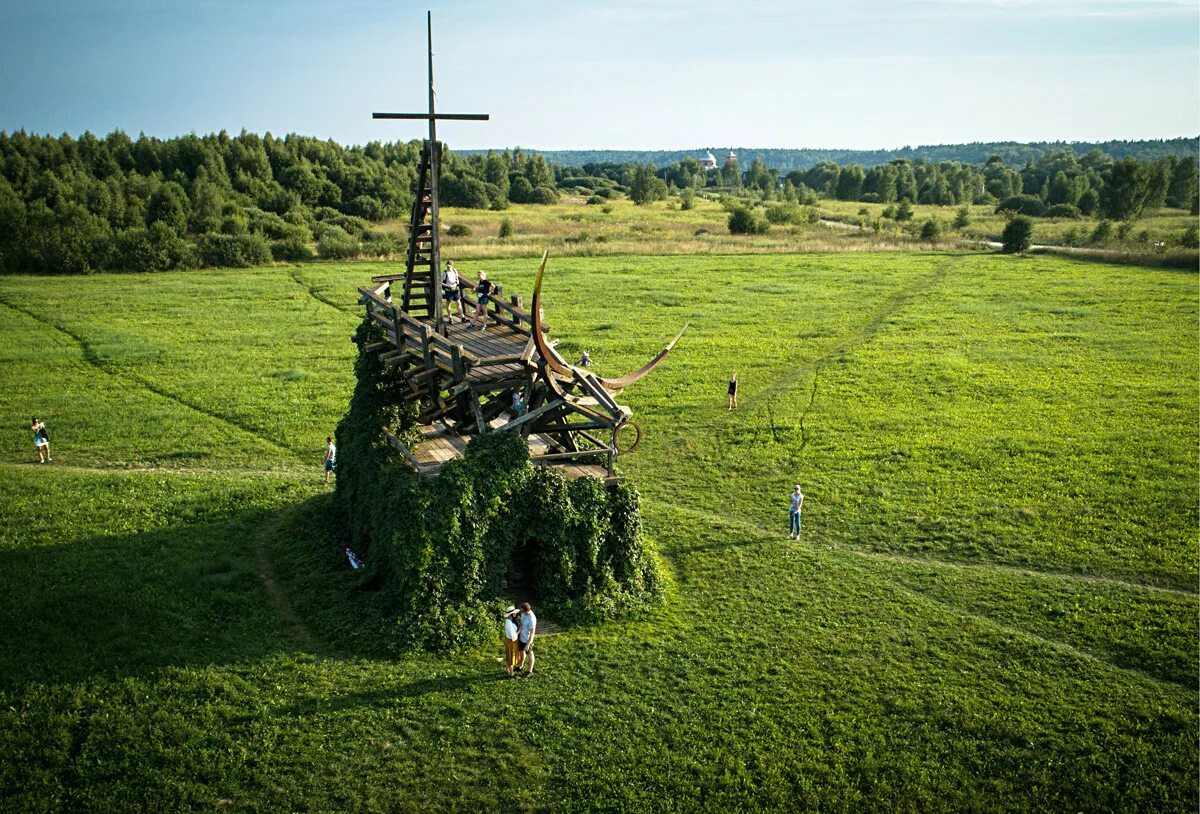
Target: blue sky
{"x": 648, "y": 75}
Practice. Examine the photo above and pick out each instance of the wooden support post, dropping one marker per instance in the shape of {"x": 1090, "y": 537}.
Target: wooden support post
{"x": 463, "y": 404}
{"x": 480, "y": 424}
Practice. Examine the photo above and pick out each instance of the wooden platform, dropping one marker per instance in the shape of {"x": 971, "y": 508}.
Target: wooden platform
{"x": 440, "y": 445}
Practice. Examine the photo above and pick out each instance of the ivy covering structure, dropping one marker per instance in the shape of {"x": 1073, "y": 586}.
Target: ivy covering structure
{"x": 447, "y": 552}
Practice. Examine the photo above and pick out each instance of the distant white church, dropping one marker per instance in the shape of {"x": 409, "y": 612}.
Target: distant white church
{"x": 709, "y": 162}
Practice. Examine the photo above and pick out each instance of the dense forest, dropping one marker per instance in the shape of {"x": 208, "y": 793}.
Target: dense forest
{"x": 75, "y": 205}
{"x": 786, "y": 160}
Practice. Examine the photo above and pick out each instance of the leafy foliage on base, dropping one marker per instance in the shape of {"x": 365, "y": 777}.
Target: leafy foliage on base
{"x": 441, "y": 553}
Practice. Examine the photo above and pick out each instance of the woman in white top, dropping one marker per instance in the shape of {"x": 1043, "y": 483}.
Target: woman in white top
{"x": 511, "y": 653}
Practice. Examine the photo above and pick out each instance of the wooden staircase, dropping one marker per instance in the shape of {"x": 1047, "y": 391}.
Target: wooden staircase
{"x": 422, "y": 272}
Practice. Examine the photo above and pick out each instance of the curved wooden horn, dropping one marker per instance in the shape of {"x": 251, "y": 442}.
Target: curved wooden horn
{"x": 620, "y": 383}
{"x": 615, "y": 385}
{"x": 539, "y": 338}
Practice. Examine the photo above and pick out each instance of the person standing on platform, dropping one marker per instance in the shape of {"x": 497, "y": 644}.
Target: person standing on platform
{"x": 483, "y": 293}
{"x": 525, "y": 637}
{"x": 450, "y": 290}
{"x": 733, "y": 391}
{"x": 794, "y": 514}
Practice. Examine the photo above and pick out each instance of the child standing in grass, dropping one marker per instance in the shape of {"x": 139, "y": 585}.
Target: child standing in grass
{"x": 794, "y": 514}
{"x": 733, "y": 390}
{"x": 41, "y": 440}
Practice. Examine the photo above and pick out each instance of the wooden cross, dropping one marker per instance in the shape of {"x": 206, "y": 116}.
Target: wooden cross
{"x": 434, "y": 168}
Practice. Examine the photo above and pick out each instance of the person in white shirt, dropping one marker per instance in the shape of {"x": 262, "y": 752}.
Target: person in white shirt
{"x": 511, "y": 629}
{"x": 330, "y": 457}
{"x": 525, "y": 637}
{"x": 450, "y": 290}
{"x": 794, "y": 514}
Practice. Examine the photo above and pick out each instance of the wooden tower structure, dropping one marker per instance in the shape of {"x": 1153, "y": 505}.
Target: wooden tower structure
{"x": 505, "y": 376}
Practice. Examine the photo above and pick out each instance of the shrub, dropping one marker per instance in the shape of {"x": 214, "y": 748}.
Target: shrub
{"x": 366, "y": 206}
{"x": 506, "y": 228}
{"x": 237, "y": 251}
{"x": 889, "y": 211}
{"x": 155, "y": 249}
{"x": 783, "y": 213}
{"x": 1190, "y": 239}
{"x": 904, "y": 210}
{"x": 962, "y": 217}
{"x": 870, "y": 197}
{"x": 595, "y": 199}
{"x": 744, "y": 221}
{"x": 1018, "y": 235}
{"x": 459, "y": 230}
{"x": 333, "y": 247}
{"x": 1124, "y": 229}
{"x": 931, "y": 230}
{"x": 544, "y": 195}
{"x": 1063, "y": 211}
{"x": 687, "y": 198}
{"x": 1102, "y": 232}
{"x": 291, "y": 248}
{"x": 379, "y": 244}
{"x": 1022, "y": 204}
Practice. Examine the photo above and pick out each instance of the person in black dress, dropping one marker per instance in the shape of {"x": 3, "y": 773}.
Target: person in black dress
{"x": 732, "y": 390}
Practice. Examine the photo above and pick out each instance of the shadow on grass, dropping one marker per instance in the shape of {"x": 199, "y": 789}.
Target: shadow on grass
{"x": 392, "y": 694}
{"x": 191, "y": 594}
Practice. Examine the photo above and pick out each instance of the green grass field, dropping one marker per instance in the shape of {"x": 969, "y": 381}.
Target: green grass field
{"x": 993, "y": 606}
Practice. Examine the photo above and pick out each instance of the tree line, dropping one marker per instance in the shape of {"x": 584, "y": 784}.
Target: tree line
{"x": 1056, "y": 184}
{"x": 786, "y": 160}
{"x": 77, "y": 205}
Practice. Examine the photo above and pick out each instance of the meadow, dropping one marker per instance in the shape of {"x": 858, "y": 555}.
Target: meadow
{"x": 993, "y": 605}
{"x": 620, "y": 227}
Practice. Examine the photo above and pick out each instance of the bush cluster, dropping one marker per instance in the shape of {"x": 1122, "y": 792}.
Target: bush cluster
{"x": 439, "y": 553}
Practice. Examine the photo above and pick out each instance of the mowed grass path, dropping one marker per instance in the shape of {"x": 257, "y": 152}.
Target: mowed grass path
{"x": 993, "y": 605}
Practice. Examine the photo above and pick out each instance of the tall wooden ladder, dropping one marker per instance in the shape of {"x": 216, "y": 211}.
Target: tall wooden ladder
{"x": 422, "y": 271}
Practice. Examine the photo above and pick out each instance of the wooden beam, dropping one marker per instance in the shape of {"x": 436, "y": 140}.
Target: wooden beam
{"x": 456, "y": 117}
{"x": 512, "y": 425}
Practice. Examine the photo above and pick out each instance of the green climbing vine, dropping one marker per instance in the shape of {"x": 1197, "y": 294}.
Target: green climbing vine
{"x": 442, "y": 553}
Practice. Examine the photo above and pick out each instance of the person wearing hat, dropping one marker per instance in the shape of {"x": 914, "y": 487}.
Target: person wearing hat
{"x": 511, "y": 654}
{"x": 794, "y": 514}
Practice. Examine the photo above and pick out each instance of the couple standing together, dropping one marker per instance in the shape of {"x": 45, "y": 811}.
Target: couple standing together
{"x": 519, "y": 630}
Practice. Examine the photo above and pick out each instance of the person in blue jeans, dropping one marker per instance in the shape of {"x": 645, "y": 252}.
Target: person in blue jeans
{"x": 794, "y": 514}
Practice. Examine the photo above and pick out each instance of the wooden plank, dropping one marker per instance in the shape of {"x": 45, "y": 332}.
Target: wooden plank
{"x": 525, "y": 419}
